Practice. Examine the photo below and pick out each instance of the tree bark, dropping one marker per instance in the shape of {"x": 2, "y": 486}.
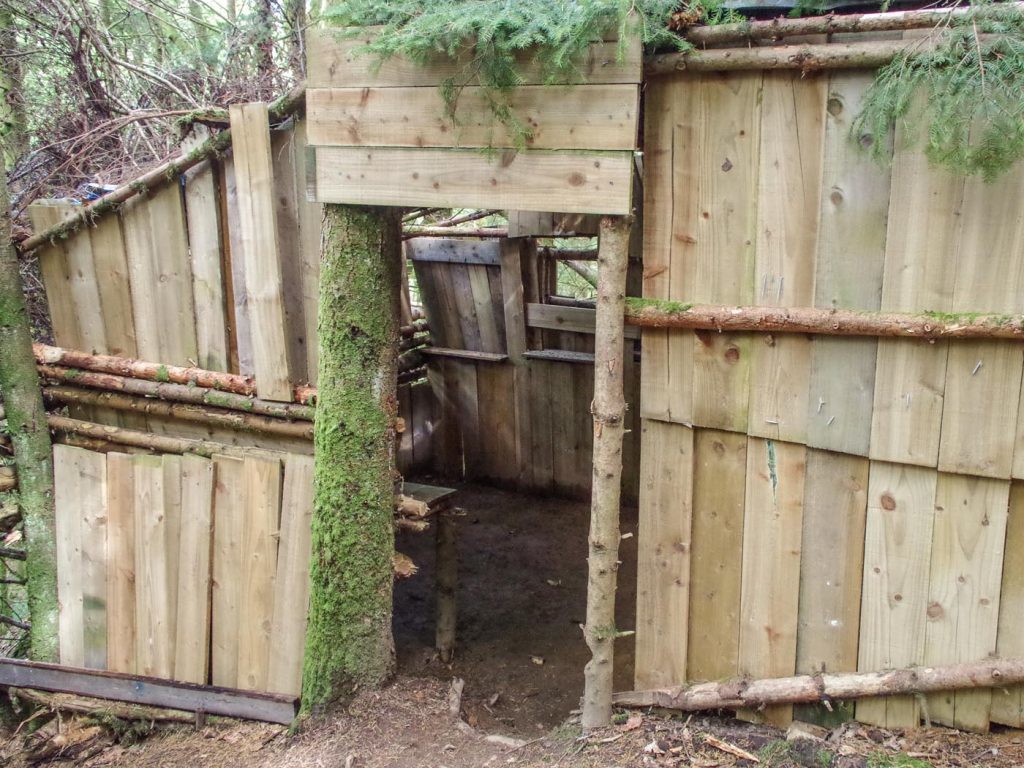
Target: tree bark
{"x": 803, "y": 689}
{"x": 33, "y": 453}
{"x": 648, "y": 313}
{"x": 13, "y": 125}
{"x": 608, "y": 409}
{"x": 348, "y": 639}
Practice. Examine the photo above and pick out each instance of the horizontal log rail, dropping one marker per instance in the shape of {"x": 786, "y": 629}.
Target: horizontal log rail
{"x": 775, "y": 29}
{"x": 805, "y": 689}
{"x": 190, "y": 412}
{"x": 807, "y": 57}
{"x": 162, "y": 175}
{"x": 648, "y": 313}
{"x": 134, "y": 438}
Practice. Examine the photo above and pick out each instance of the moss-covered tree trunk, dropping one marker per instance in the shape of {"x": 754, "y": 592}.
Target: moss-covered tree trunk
{"x": 30, "y": 436}
{"x": 349, "y": 640}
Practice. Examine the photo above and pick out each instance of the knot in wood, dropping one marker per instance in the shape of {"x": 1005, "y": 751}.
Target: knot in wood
{"x": 606, "y": 418}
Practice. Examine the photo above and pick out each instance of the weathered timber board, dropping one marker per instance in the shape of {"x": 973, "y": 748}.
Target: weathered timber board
{"x": 334, "y": 62}
{"x": 558, "y": 117}
{"x": 578, "y": 182}
{"x": 266, "y": 707}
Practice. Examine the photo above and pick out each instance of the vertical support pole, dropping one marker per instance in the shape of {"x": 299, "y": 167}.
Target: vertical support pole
{"x": 609, "y": 410}
{"x": 447, "y": 582}
{"x": 30, "y": 436}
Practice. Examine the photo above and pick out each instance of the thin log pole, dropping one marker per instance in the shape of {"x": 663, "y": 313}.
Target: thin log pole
{"x": 609, "y": 410}
{"x": 181, "y": 393}
{"x": 137, "y": 439}
{"x": 647, "y": 313}
{"x": 160, "y": 176}
{"x": 447, "y": 583}
{"x": 807, "y": 58}
{"x": 33, "y": 452}
{"x": 196, "y": 414}
{"x": 775, "y": 29}
{"x": 803, "y": 689}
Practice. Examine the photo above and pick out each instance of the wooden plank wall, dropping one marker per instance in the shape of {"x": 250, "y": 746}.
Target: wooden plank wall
{"x": 183, "y": 567}
{"x": 382, "y": 134}
{"x": 187, "y": 276}
{"x": 514, "y": 385}
{"x": 840, "y": 503}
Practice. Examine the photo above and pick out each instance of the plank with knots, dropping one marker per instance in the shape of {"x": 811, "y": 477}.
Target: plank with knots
{"x": 1008, "y": 703}
{"x": 577, "y": 182}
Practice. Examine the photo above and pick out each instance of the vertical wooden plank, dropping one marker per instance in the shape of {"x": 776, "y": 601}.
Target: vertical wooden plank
{"x": 120, "y": 563}
{"x": 291, "y": 586}
{"x": 663, "y": 556}
{"x": 68, "y": 489}
{"x": 497, "y": 417}
{"x": 114, "y": 287}
{"x": 423, "y": 407}
{"x": 192, "y": 634}
{"x": 772, "y": 531}
{"x": 92, "y": 511}
{"x": 910, "y": 376}
{"x": 480, "y": 290}
{"x": 228, "y": 530}
{"x": 53, "y": 264}
{"x": 257, "y": 218}
{"x": 894, "y": 599}
{"x": 583, "y": 386}
{"x": 153, "y": 590}
{"x": 161, "y": 277}
{"x": 789, "y": 195}
{"x": 512, "y": 291}
{"x": 262, "y": 477}
{"x": 719, "y": 490}
{"x": 720, "y": 234}
{"x": 310, "y": 224}
{"x": 496, "y": 305}
{"x": 1008, "y": 703}
{"x": 467, "y": 412}
{"x": 848, "y": 272}
{"x": 542, "y": 451}
{"x": 288, "y": 191}
{"x": 461, "y": 296}
{"x": 964, "y": 585}
{"x": 234, "y": 270}
{"x": 403, "y": 442}
{"x": 563, "y": 426}
{"x": 659, "y": 170}
{"x": 832, "y": 563}
{"x": 202, "y": 209}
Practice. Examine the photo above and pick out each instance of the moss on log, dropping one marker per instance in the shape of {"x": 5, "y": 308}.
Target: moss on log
{"x": 348, "y": 639}
{"x": 30, "y": 437}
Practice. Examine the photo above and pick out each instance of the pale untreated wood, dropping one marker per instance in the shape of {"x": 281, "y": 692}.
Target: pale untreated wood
{"x": 68, "y": 489}
{"x": 580, "y": 182}
{"x": 829, "y": 687}
{"x": 121, "y": 564}
{"x": 1008, "y": 702}
{"x": 591, "y": 117}
{"x": 334, "y": 61}
{"x": 573, "y": 319}
{"x": 228, "y": 531}
{"x": 192, "y": 624}
{"x": 257, "y": 216}
{"x": 157, "y": 502}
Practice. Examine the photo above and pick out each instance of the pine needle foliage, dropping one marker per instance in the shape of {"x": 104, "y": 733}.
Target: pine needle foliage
{"x": 967, "y": 93}
{"x": 495, "y": 34}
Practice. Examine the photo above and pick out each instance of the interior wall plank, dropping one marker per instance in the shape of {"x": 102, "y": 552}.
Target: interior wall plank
{"x": 192, "y": 621}
{"x": 964, "y": 587}
{"x": 789, "y": 202}
{"x": 202, "y": 213}
{"x": 485, "y": 308}
{"x": 1008, "y": 703}
{"x": 578, "y": 182}
{"x": 772, "y": 531}
{"x": 663, "y": 556}
{"x": 257, "y": 217}
{"x": 719, "y": 493}
{"x": 894, "y": 601}
{"x": 593, "y": 116}
{"x": 497, "y": 417}
{"x": 542, "y": 451}
{"x": 848, "y": 270}
{"x": 461, "y": 297}
{"x": 120, "y": 564}
{"x": 291, "y": 585}
{"x": 228, "y": 531}
{"x": 832, "y": 562}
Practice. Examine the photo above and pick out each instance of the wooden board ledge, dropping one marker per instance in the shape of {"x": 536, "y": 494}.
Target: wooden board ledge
{"x": 465, "y": 354}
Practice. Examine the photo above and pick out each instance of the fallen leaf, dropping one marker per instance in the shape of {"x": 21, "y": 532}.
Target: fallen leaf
{"x": 538, "y": 660}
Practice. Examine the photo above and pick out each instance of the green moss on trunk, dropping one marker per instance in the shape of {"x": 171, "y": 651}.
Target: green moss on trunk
{"x": 348, "y": 640}
{"x": 33, "y": 454}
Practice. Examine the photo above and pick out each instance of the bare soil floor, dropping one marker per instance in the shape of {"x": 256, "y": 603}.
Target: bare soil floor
{"x": 521, "y": 654}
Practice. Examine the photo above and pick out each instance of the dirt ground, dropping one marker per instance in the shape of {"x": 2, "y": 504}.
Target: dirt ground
{"x": 521, "y": 654}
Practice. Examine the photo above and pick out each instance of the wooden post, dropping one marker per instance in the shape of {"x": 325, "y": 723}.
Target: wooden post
{"x": 30, "y": 436}
{"x": 447, "y": 581}
{"x": 348, "y": 638}
{"x": 609, "y": 410}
